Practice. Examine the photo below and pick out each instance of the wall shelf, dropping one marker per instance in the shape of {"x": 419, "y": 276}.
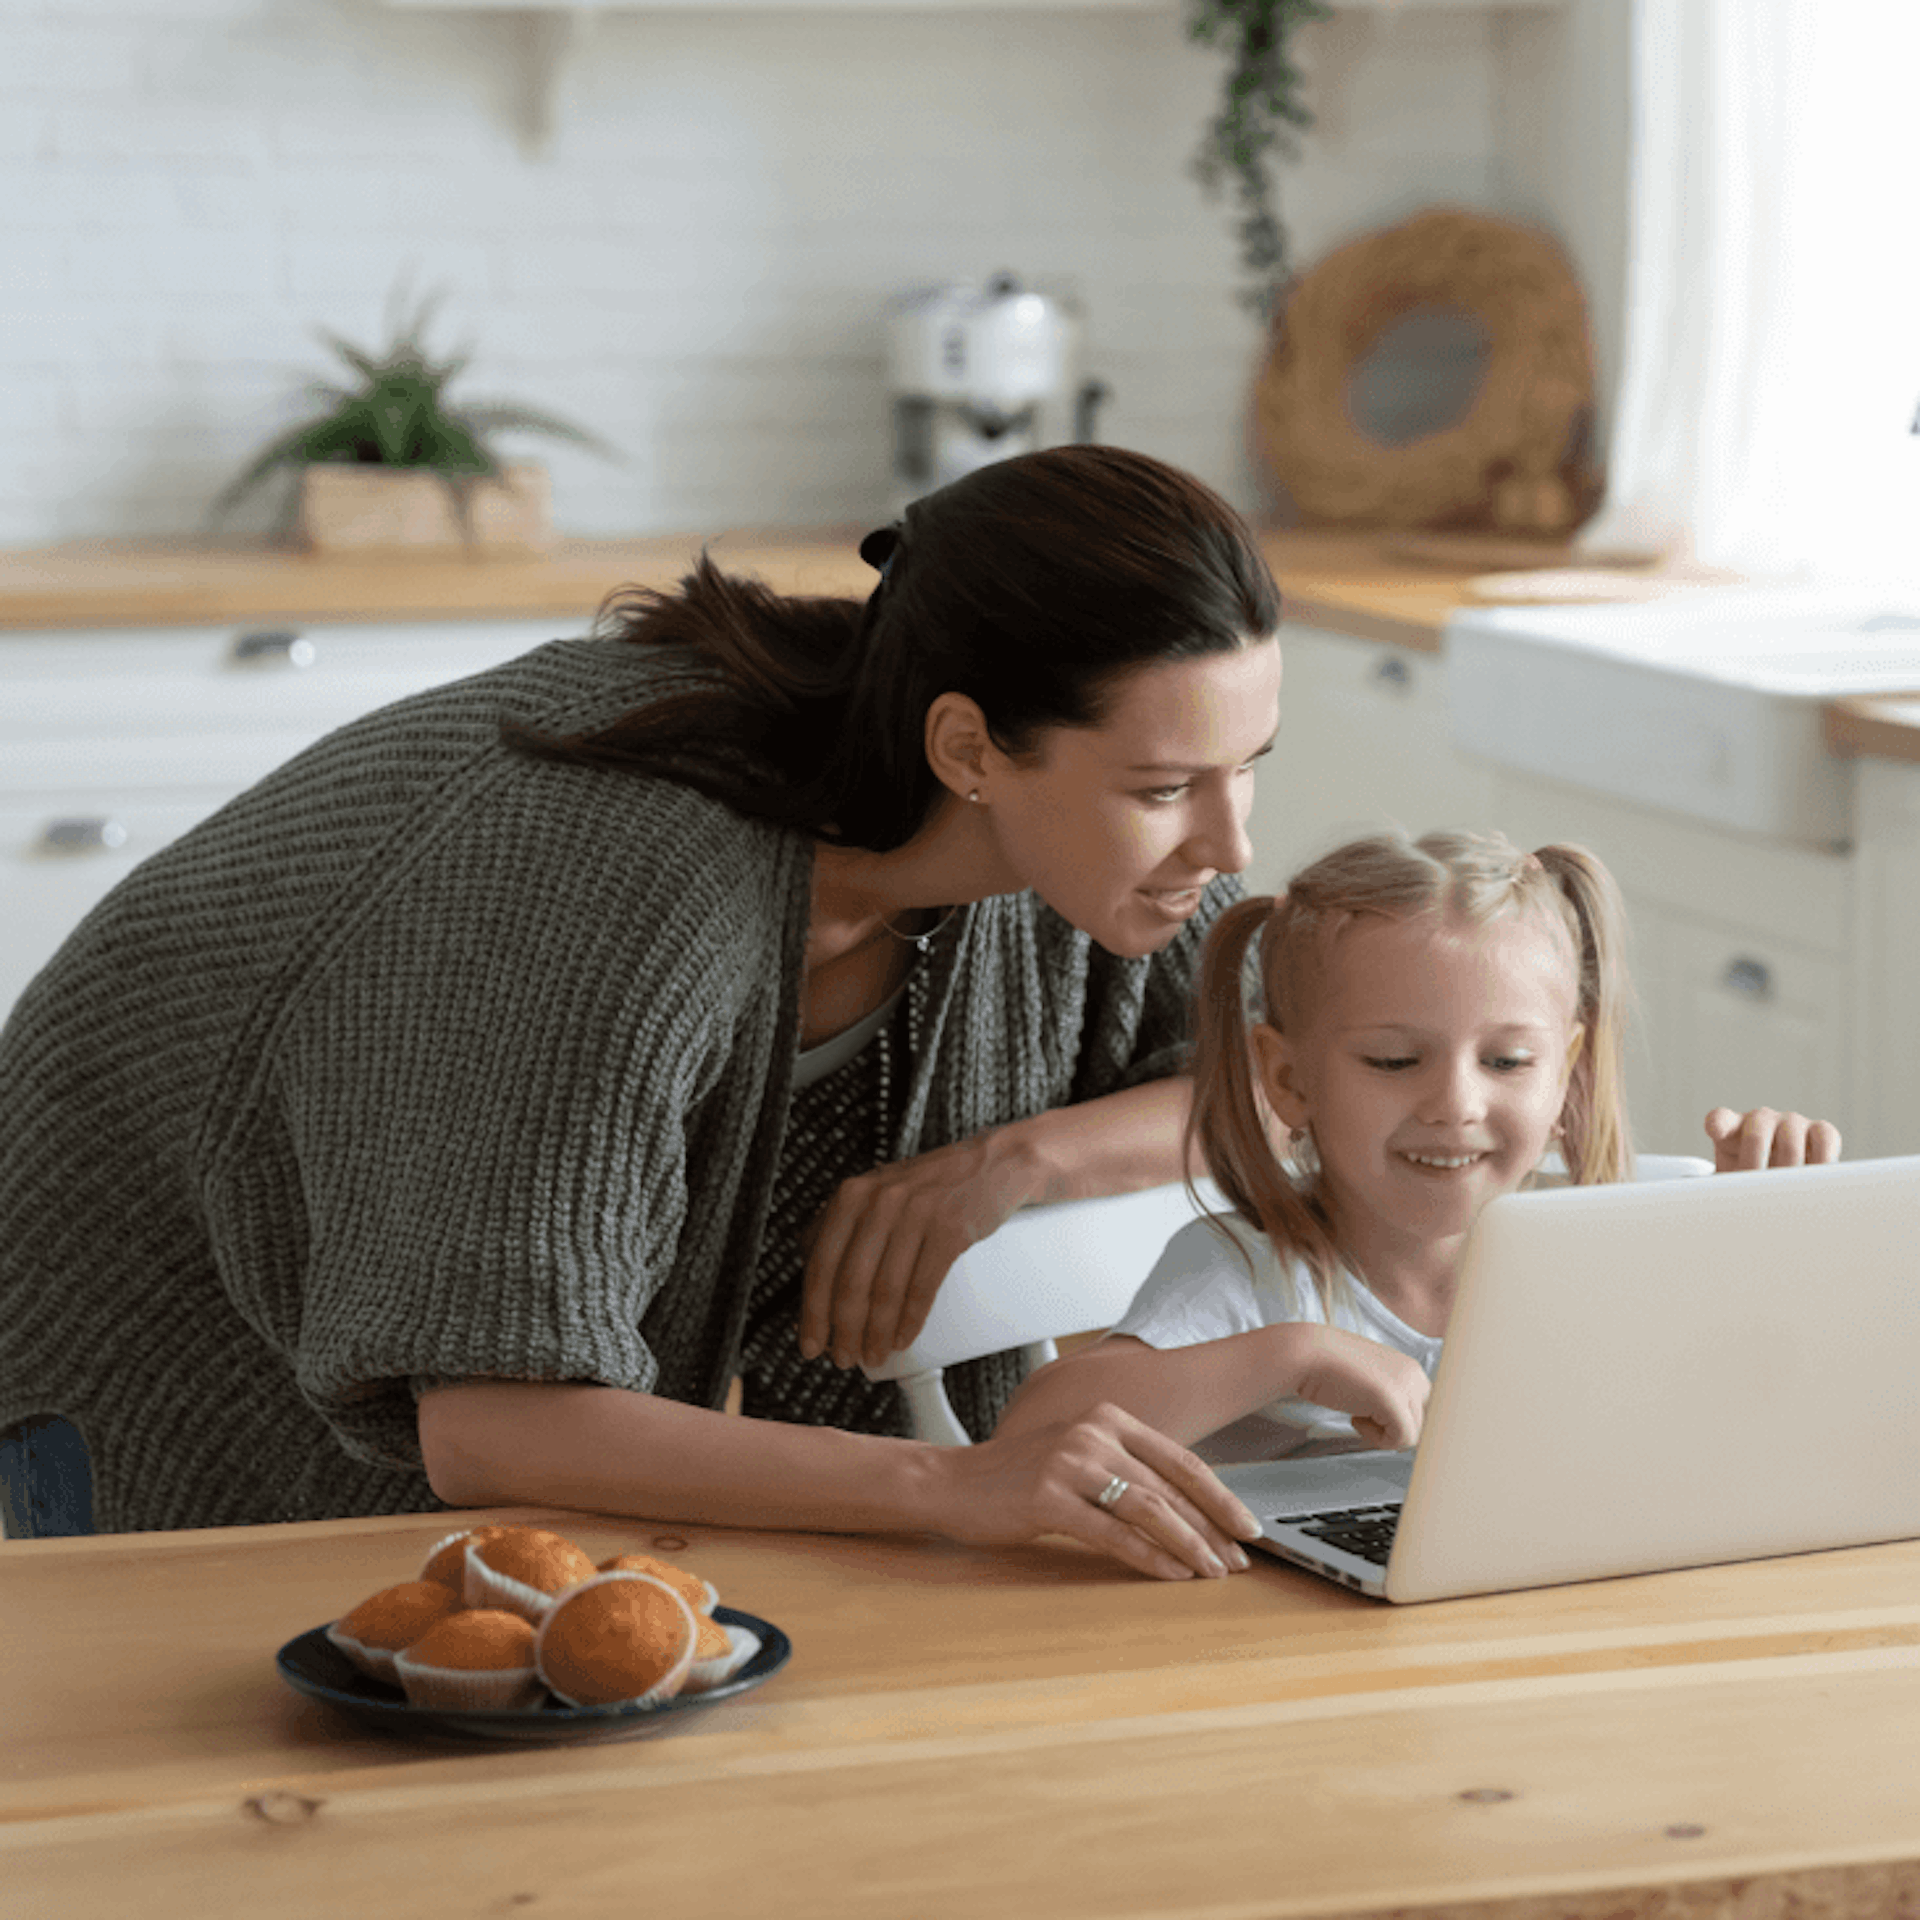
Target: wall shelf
{"x": 580, "y": 7}
{"x": 552, "y": 34}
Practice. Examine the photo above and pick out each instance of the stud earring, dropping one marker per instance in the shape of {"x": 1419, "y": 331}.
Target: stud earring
{"x": 1301, "y": 1158}
{"x": 974, "y": 796}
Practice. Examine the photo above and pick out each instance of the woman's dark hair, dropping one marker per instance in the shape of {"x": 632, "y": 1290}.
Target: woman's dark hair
{"x": 1032, "y": 586}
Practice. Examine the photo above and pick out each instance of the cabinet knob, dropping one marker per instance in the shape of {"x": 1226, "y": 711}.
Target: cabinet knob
{"x": 1750, "y": 979}
{"x": 1393, "y": 673}
{"x": 77, "y": 835}
{"x": 272, "y": 647}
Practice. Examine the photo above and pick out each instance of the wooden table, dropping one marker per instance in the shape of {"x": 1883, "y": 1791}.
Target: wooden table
{"x": 964, "y": 1733}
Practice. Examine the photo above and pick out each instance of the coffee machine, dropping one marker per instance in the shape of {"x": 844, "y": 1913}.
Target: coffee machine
{"x": 979, "y": 373}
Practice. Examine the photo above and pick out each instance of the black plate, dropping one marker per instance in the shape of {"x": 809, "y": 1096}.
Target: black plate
{"x": 313, "y": 1665}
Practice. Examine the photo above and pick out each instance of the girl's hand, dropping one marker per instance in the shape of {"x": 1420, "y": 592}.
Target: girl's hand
{"x": 1383, "y": 1391}
{"x": 1173, "y": 1519}
{"x": 884, "y": 1242}
{"x": 1743, "y": 1142}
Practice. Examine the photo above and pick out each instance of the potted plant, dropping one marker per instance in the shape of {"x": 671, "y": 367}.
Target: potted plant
{"x": 391, "y": 462}
{"x": 1260, "y": 118}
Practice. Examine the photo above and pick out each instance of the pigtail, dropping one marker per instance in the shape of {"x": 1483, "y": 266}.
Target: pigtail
{"x": 1596, "y": 1138}
{"x": 1230, "y": 1130}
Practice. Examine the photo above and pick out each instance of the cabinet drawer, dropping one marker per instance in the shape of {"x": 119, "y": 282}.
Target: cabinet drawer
{"x": 63, "y": 768}
{"x": 199, "y": 680}
{"x": 1746, "y": 1022}
{"x": 1793, "y": 894}
{"x": 59, "y": 855}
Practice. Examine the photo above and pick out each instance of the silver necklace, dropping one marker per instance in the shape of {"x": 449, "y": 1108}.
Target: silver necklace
{"x": 922, "y": 940}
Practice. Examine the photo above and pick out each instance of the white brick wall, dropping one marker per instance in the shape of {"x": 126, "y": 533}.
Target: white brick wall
{"x": 697, "y": 263}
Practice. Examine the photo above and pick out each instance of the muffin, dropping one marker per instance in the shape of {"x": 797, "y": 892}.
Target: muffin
{"x": 699, "y": 1594}
{"x": 447, "y": 1563}
{"x": 620, "y": 1638}
{"x": 522, "y": 1569}
{"x": 388, "y": 1621}
{"x": 479, "y": 1660}
{"x": 719, "y": 1652}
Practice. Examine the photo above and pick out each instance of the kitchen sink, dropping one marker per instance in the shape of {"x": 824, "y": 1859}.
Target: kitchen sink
{"x": 1707, "y": 704}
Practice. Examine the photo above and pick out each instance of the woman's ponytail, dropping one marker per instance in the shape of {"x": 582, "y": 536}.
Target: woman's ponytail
{"x": 766, "y": 677}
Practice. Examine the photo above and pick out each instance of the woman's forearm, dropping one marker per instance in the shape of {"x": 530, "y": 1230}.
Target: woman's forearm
{"x": 1118, "y": 1143}
{"x": 605, "y": 1450}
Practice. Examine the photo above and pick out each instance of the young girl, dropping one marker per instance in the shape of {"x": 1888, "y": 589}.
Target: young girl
{"x": 1437, "y": 1018}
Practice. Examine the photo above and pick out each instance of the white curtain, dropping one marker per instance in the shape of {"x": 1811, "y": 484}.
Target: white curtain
{"x": 1771, "y": 367}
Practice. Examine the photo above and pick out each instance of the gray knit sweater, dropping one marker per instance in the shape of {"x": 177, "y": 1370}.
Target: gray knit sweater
{"x": 424, "y": 1060}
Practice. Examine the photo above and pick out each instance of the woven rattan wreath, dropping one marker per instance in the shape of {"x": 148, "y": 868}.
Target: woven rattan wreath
{"x": 1515, "y": 461}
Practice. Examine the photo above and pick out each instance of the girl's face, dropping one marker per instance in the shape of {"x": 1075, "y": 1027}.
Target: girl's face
{"x": 1119, "y": 827}
{"x": 1432, "y": 1065}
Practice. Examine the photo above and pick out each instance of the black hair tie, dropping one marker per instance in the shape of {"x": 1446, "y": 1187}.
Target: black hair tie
{"x": 880, "y": 548}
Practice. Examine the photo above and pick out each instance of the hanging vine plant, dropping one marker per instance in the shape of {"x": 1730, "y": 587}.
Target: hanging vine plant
{"x": 1261, "y": 117}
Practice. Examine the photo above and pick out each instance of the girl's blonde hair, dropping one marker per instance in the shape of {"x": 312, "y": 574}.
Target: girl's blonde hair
{"x": 1291, "y": 938}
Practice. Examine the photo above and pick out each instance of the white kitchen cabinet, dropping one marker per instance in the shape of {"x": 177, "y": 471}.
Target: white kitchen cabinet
{"x": 1748, "y": 1022}
{"x": 1755, "y": 962}
{"x": 114, "y": 743}
{"x": 1886, "y": 939}
{"x": 1364, "y": 743}
{"x": 1741, "y": 956}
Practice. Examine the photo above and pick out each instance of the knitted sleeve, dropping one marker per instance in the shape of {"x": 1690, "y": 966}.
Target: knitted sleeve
{"x": 486, "y": 1089}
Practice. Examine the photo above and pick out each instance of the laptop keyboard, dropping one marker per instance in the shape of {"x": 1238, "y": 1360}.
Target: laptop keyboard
{"x": 1364, "y": 1532}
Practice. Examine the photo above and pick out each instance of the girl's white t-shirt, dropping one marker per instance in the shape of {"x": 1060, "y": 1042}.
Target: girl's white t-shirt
{"x": 1202, "y": 1288}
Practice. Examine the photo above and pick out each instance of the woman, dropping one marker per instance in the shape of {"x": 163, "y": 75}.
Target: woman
{"x": 458, "y": 1113}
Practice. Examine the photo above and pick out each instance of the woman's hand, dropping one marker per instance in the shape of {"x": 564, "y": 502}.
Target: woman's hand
{"x": 1743, "y": 1142}
{"x": 1383, "y": 1391}
{"x": 1172, "y": 1518}
{"x": 884, "y": 1242}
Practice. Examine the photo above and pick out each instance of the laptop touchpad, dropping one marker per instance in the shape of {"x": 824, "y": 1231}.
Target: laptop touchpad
{"x": 1276, "y": 1488}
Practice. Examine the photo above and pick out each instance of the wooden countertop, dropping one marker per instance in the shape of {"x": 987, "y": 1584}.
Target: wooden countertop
{"x": 167, "y": 583}
{"x": 1399, "y": 589}
{"x": 965, "y": 1733}
{"x": 1884, "y": 725}
{"x": 1352, "y": 583}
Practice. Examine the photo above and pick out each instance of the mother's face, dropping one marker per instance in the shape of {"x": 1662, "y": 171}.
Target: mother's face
{"x": 1119, "y": 827}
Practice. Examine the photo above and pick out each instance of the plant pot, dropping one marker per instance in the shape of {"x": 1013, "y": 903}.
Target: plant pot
{"x": 367, "y": 509}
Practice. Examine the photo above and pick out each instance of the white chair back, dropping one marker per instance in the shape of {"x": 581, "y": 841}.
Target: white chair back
{"x": 1048, "y": 1272}
{"x": 1065, "y": 1269}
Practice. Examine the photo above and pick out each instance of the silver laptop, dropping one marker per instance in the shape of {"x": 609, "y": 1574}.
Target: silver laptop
{"x": 1658, "y": 1374}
